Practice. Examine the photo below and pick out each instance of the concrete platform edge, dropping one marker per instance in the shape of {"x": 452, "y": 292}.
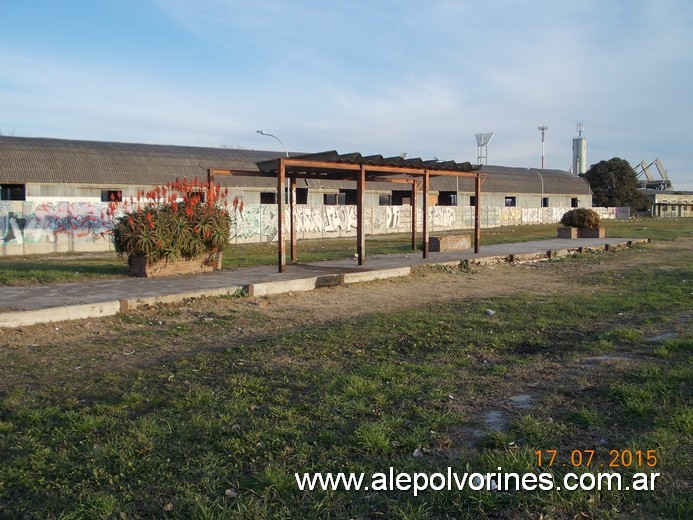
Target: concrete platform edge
{"x": 55, "y": 314}
{"x": 380, "y": 274}
{"x": 131, "y": 304}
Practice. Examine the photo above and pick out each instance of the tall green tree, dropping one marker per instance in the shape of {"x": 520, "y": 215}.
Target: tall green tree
{"x": 615, "y": 183}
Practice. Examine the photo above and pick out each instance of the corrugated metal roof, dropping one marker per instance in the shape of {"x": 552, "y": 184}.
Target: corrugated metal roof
{"x": 42, "y": 160}
{"x": 332, "y": 156}
{"x": 25, "y": 159}
{"x": 511, "y": 180}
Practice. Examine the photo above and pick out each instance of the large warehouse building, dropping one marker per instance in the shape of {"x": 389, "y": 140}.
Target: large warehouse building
{"x": 54, "y": 193}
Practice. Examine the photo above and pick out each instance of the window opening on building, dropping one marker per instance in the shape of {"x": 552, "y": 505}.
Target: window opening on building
{"x": 334, "y": 199}
{"x": 401, "y": 197}
{"x": 447, "y": 198}
{"x": 12, "y": 191}
{"x": 111, "y": 196}
{"x": 301, "y": 195}
{"x": 350, "y": 197}
{"x": 268, "y": 197}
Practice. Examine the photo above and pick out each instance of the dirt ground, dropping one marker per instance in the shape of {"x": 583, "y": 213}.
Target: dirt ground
{"x": 84, "y": 348}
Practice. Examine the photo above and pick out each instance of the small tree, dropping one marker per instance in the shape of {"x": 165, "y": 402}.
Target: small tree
{"x": 172, "y": 222}
{"x": 614, "y": 183}
{"x": 581, "y": 218}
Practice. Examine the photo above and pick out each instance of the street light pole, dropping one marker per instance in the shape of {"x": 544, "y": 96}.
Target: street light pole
{"x": 542, "y": 185}
{"x": 261, "y": 132}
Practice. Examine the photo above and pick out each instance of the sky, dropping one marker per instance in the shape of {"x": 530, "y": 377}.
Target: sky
{"x": 376, "y": 76}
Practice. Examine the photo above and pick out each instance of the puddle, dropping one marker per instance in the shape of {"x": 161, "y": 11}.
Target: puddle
{"x": 495, "y": 420}
{"x": 523, "y": 401}
{"x": 661, "y": 337}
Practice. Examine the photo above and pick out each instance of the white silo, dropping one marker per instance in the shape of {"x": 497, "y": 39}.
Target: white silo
{"x": 580, "y": 152}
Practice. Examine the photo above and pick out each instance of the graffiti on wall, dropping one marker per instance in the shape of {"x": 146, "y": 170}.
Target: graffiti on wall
{"x": 386, "y": 217}
{"x": 442, "y": 216}
{"x": 309, "y": 220}
{"x": 532, "y": 216}
{"x": 438, "y": 216}
{"x": 339, "y": 218}
{"x": 84, "y": 222}
{"x": 12, "y": 228}
{"x": 324, "y": 219}
{"x": 25, "y": 223}
{"x": 511, "y": 216}
{"x": 254, "y": 221}
{"x": 259, "y": 222}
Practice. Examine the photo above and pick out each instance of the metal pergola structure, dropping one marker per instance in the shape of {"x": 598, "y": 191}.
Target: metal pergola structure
{"x": 355, "y": 167}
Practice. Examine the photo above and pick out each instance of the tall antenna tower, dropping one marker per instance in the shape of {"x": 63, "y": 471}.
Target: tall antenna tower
{"x": 542, "y": 129}
{"x": 482, "y": 140}
{"x": 580, "y": 152}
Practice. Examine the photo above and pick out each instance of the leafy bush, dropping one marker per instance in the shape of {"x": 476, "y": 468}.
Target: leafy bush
{"x": 581, "y": 218}
{"x": 172, "y": 222}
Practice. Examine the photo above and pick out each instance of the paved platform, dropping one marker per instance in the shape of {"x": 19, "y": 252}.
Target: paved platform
{"x": 23, "y": 306}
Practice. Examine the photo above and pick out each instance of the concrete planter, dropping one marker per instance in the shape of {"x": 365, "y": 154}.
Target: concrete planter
{"x": 139, "y": 267}
{"x": 573, "y": 232}
{"x": 567, "y": 232}
{"x": 591, "y": 232}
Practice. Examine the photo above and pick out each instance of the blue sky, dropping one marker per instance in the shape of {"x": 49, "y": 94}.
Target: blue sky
{"x": 377, "y": 76}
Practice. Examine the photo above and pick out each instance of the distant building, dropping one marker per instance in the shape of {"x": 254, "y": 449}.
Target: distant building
{"x": 56, "y": 170}
{"x": 55, "y": 194}
{"x": 670, "y": 204}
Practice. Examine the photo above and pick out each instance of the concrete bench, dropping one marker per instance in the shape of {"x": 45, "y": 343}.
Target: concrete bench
{"x": 438, "y": 244}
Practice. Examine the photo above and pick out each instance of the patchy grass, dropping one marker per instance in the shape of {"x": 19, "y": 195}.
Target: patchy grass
{"x": 35, "y": 269}
{"x": 220, "y": 433}
{"x": 657, "y": 229}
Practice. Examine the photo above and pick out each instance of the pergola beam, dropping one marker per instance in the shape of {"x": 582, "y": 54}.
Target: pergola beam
{"x": 360, "y": 217}
{"x": 414, "y": 210}
{"x": 425, "y": 213}
{"x": 292, "y": 208}
{"x": 281, "y": 247}
{"x": 477, "y": 213}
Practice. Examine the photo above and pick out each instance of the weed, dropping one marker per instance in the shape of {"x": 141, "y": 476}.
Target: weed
{"x": 588, "y": 417}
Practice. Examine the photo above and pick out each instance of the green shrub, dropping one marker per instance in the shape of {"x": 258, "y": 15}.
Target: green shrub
{"x": 581, "y": 218}
{"x": 172, "y": 222}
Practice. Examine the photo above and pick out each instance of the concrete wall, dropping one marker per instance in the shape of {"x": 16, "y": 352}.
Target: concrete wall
{"x": 60, "y": 227}
{"x": 41, "y": 227}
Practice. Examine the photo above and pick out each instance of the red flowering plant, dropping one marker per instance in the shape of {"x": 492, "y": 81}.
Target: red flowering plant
{"x": 181, "y": 219}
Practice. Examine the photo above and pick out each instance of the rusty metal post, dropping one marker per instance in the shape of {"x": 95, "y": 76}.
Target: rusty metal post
{"x": 292, "y": 212}
{"x": 210, "y": 184}
{"x": 414, "y": 190}
{"x": 477, "y": 213}
{"x": 281, "y": 247}
{"x": 360, "y": 216}
{"x": 426, "y": 185}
